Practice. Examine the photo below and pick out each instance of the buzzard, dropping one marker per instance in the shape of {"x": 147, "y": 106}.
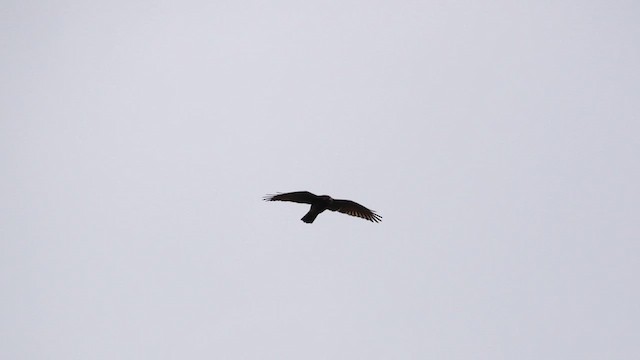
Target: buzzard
{"x": 325, "y": 202}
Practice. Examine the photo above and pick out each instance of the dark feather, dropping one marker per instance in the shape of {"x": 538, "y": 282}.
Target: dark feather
{"x": 303, "y": 197}
{"x": 354, "y": 209}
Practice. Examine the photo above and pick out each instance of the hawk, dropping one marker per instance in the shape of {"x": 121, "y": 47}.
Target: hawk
{"x": 325, "y": 202}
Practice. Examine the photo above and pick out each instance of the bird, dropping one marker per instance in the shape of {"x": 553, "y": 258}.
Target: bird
{"x": 320, "y": 203}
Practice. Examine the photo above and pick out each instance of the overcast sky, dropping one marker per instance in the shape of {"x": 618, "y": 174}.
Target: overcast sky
{"x": 499, "y": 140}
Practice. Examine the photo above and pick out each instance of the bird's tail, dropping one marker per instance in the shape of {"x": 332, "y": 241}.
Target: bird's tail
{"x": 310, "y": 216}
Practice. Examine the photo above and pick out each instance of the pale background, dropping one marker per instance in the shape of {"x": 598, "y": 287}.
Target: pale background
{"x": 499, "y": 140}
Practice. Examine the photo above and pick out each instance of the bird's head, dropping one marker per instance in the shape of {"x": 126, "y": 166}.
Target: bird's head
{"x": 326, "y": 198}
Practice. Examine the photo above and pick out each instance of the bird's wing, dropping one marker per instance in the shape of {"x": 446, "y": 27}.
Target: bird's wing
{"x": 354, "y": 209}
{"x": 304, "y": 197}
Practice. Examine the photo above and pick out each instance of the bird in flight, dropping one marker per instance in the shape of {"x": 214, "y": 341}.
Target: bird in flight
{"x": 325, "y": 202}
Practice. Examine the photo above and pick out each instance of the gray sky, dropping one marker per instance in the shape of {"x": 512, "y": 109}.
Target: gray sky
{"x": 499, "y": 141}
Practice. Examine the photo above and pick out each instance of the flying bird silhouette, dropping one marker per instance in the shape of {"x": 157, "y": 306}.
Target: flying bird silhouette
{"x": 325, "y": 202}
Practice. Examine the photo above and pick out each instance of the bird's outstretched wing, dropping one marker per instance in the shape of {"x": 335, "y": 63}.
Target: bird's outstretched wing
{"x": 303, "y": 197}
{"x": 354, "y": 209}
